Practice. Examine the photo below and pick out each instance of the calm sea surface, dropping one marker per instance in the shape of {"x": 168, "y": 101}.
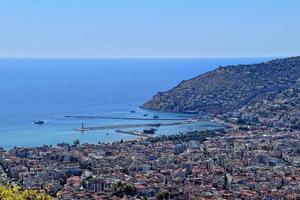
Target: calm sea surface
{"x": 49, "y": 89}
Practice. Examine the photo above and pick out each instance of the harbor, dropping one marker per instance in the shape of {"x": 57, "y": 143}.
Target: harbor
{"x": 136, "y": 133}
{"x": 125, "y": 126}
{"x": 149, "y": 127}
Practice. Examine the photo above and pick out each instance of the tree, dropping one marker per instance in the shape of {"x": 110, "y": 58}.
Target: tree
{"x": 164, "y": 195}
{"x": 17, "y": 193}
{"x": 76, "y": 142}
{"x": 85, "y": 165}
{"x": 122, "y": 189}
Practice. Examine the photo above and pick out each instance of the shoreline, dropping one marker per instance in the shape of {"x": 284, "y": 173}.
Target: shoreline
{"x": 204, "y": 128}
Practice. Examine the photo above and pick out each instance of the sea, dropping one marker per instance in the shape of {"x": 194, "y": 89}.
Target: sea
{"x": 48, "y": 89}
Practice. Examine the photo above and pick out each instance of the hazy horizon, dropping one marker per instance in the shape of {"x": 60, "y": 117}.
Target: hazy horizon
{"x": 145, "y": 57}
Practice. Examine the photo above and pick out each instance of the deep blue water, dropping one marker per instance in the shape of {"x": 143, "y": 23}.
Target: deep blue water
{"x": 49, "y": 89}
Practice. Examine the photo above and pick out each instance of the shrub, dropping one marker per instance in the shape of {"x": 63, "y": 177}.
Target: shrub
{"x": 17, "y": 193}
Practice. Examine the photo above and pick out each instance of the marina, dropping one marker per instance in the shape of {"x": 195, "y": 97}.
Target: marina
{"x": 136, "y": 133}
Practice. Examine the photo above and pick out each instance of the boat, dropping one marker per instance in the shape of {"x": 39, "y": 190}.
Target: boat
{"x": 192, "y": 120}
{"x": 39, "y": 122}
{"x": 145, "y": 115}
{"x": 150, "y": 131}
{"x": 132, "y": 111}
{"x": 191, "y": 112}
{"x": 155, "y": 124}
{"x": 155, "y": 117}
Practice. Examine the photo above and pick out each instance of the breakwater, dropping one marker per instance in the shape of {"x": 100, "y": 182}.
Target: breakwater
{"x": 94, "y": 128}
{"x": 124, "y": 118}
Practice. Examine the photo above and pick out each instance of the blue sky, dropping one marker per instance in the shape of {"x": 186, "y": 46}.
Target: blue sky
{"x": 149, "y": 28}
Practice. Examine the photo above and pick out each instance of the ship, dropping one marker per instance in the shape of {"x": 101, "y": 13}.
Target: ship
{"x": 155, "y": 124}
{"x": 155, "y": 117}
{"x": 191, "y": 112}
{"x": 150, "y": 131}
{"x": 39, "y": 122}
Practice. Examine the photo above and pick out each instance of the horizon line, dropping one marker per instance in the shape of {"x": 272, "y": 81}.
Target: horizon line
{"x": 141, "y": 57}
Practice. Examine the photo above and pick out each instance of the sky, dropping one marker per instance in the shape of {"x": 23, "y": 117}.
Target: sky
{"x": 149, "y": 28}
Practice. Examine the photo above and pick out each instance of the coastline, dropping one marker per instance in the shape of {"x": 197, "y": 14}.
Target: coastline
{"x": 137, "y": 138}
{"x": 113, "y": 94}
{"x": 202, "y": 124}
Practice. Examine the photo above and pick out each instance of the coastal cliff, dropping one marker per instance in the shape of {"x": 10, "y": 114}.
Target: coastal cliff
{"x": 228, "y": 88}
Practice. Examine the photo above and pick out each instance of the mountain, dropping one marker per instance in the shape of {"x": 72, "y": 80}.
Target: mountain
{"x": 228, "y": 88}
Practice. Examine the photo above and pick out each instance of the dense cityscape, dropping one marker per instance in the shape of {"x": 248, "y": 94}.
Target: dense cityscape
{"x": 253, "y": 157}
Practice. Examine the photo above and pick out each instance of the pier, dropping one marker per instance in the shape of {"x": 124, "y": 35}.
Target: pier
{"x": 94, "y": 128}
{"x": 136, "y": 133}
{"x": 124, "y": 118}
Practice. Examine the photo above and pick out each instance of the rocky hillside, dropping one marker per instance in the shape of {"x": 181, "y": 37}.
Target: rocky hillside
{"x": 228, "y": 88}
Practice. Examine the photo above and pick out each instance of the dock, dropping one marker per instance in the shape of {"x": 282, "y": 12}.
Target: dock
{"x": 94, "y": 128}
{"x": 136, "y": 133}
{"x": 124, "y": 118}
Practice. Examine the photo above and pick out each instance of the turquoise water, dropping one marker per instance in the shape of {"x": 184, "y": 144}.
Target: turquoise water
{"x": 49, "y": 89}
